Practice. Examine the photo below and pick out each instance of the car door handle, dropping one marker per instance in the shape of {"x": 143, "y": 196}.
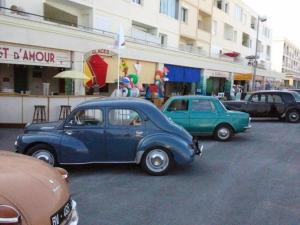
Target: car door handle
{"x": 68, "y": 132}
{"x": 139, "y": 133}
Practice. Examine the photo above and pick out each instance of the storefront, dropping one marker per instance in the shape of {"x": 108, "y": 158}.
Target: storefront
{"x": 24, "y": 69}
{"x": 182, "y": 80}
{"x": 259, "y": 82}
{"x": 218, "y": 83}
{"x": 292, "y": 81}
{"x": 243, "y": 80}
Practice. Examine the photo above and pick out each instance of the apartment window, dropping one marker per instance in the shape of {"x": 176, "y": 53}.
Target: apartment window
{"x": 222, "y": 5}
{"x": 253, "y": 23}
{"x": 228, "y": 32}
{"x": 246, "y": 40}
{"x": 184, "y": 15}
{"x": 219, "y": 4}
{"x": 266, "y": 32}
{"x": 238, "y": 12}
{"x": 226, "y": 7}
{"x": 235, "y": 36}
{"x": 163, "y": 39}
{"x": 139, "y": 2}
{"x": 215, "y": 27}
{"x": 59, "y": 16}
{"x": 2, "y": 4}
{"x": 169, "y": 8}
{"x": 262, "y": 49}
{"x": 244, "y": 18}
{"x": 200, "y": 24}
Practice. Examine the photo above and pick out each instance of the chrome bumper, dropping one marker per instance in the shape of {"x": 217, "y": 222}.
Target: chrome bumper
{"x": 247, "y": 127}
{"x": 198, "y": 149}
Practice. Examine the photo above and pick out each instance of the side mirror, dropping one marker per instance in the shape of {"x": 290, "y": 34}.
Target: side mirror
{"x": 9, "y": 215}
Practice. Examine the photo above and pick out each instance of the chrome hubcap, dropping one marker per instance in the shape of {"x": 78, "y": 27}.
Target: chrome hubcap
{"x": 157, "y": 160}
{"x": 294, "y": 116}
{"x": 223, "y": 133}
{"x": 45, "y": 156}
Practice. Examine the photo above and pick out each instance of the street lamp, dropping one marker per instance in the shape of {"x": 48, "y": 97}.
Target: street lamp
{"x": 259, "y": 19}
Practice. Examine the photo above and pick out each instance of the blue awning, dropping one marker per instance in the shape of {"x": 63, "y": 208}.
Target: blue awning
{"x": 183, "y": 74}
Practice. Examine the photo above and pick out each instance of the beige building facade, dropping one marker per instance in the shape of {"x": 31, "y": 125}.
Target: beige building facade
{"x": 203, "y": 34}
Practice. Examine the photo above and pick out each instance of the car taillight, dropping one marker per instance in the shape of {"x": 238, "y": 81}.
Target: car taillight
{"x": 9, "y": 215}
{"x": 64, "y": 173}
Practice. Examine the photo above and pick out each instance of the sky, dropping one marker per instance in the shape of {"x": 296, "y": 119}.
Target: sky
{"x": 283, "y": 17}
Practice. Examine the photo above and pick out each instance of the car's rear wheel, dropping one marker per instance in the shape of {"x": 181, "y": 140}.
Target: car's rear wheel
{"x": 223, "y": 133}
{"x": 293, "y": 116}
{"x": 43, "y": 152}
{"x": 157, "y": 161}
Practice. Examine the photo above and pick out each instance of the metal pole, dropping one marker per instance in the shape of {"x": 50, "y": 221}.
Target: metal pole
{"x": 118, "y": 84}
{"x": 255, "y": 57}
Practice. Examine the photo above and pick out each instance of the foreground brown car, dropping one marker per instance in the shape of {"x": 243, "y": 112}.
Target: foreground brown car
{"x": 33, "y": 193}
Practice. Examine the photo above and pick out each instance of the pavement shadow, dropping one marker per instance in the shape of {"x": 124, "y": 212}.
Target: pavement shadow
{"x": 102, "y": 168}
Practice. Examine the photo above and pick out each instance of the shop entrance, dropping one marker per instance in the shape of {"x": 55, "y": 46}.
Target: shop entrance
{"x": 20, "y": 78}
{"x": 216, "y": 85}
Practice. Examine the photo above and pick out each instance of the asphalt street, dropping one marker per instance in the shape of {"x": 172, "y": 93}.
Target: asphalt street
{"x": 252, "y": 180}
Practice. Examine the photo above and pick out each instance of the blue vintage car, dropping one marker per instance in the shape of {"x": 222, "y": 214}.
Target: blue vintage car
{"x": 111, "y": 130}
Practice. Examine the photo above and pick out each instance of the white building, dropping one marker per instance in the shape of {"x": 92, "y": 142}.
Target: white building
{"x": 286, "y": 59}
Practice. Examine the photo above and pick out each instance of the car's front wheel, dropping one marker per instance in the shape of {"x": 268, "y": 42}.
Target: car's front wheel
{"x": 223, "y": 133}
{"x": 44, "y": 153}
{"x": 293, "y": 116}
{"x": 157, "y": 161}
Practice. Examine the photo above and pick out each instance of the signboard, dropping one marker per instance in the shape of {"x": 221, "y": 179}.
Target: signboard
{"x": 243, "y": 76}
{"x": 101, "y": 52}
{"x": 35, "y": 56}
{"x": 215, "y": 73}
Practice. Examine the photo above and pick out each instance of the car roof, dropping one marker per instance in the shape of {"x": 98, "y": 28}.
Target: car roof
{"x": 116, "y": 101}
{"x": 271, "y": 91}
{"x": 202, "y": 97}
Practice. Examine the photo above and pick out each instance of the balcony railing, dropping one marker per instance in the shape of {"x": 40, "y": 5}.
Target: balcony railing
{"x": 137, "y": 37}
{"x": 141, "y": 35}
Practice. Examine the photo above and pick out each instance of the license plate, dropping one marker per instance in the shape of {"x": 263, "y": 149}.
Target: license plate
{"x": 62, "y": 214}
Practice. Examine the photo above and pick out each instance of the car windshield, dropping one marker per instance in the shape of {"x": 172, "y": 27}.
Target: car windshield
{"x": 223, "y": 106}
{"x": 297, "y": 96}
{"x": 247, "y": 96}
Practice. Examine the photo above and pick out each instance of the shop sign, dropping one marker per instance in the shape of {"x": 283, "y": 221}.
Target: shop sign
{"x": 101, "y": 52}
{"x": 215, "y": 73}
{"x": 243, "y": 76}
{"x": 29, "y": 55}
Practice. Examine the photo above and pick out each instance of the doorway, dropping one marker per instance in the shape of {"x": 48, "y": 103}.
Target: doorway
{"x": 20, "y": 78}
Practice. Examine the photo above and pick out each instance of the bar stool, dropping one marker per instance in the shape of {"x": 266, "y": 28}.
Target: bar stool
{"x": 39, "y": 114}
{"x": 65, "y": 110}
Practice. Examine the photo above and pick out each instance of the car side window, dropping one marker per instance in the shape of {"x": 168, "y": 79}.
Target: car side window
{"x": 289, "y": 98}
{"x": 124, "y": 117}
{"x": 202, "y": 105}
{"x": 270, "y": 98}
{"x": 254, "y": 98}
{"x": 178, "y": 105}
{"x": 87, "y": 117}
{"x": 258, "y": 98}
{"x": 277, "y": 99}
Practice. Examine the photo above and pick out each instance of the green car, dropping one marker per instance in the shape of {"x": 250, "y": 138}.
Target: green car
{"x": 205, "y": 115}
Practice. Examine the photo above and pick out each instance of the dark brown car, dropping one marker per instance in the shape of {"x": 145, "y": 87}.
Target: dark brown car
{"x": 34, "y": 193}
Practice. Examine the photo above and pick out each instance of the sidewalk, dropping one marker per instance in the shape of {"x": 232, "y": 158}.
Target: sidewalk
{"x": 8, "y": 137}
